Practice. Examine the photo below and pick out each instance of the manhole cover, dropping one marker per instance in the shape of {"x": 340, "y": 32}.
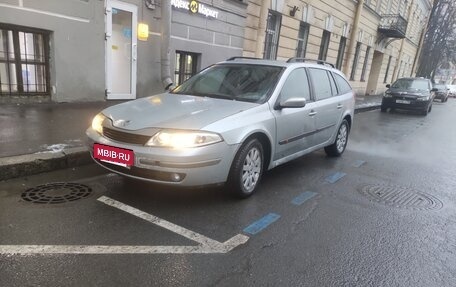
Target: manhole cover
{"x": 401, "y": 197}
{"x": 59, "y": 192}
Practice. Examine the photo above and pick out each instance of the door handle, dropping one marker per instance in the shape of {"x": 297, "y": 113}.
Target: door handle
{"x": 312, "y": 113}
{"x": 340, "y": 106}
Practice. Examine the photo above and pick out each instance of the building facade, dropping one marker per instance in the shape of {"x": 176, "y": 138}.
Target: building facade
{"x": 373, "y": 42}
{"x": 88, "y": 50}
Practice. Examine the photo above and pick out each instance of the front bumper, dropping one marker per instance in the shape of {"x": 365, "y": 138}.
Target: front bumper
{"x": 440, "y": 96}
{"x": 414, "y": 105}
{"x": 194, "y": 166}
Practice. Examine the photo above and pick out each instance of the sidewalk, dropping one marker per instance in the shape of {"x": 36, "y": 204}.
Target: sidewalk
{"x": 43, "y": 137}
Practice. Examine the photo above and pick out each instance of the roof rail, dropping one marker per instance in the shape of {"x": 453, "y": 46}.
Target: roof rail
{"x": 321, "y": 62}
{"x": 246, "y": 58}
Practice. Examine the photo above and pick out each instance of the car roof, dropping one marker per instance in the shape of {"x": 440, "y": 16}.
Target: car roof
{"x": 413, "y": 78}
{"x": 285, "y": 64}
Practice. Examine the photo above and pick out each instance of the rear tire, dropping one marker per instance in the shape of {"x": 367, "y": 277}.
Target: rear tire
{"x": 247, "y": 169}
{"x": 383, "y": 109}
{"x": 339, "y": 145}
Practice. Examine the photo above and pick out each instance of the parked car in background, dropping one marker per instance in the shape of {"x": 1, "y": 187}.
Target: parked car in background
{"x": 414, "y": 94}
{"x": 228, "y": 123}
{"x": 442, "y": 92}
{"x": 452, "y": 91}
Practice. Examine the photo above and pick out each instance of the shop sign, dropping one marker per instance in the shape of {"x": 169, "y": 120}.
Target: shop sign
{"x": 195, "y": 7}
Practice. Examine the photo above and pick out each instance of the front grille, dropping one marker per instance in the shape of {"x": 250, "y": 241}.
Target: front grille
{"x": 144, "y": 173}
{"x": 125, "y": 137}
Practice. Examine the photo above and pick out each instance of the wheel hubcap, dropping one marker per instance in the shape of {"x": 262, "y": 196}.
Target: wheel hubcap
{"x": 342, "y": 138}
{"x": 251, "y": 169}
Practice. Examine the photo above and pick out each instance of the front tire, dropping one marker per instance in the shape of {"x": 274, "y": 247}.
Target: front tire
{"x": 247, "y": 169}
{"x": 339, "y": 145}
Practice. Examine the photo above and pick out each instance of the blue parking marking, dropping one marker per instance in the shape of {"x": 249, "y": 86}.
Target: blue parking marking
{"x": 358, "y": 163}
{"x": 261, "y": 224}
{"x": 333, "y": 178}
{"x": 303, "y": 197}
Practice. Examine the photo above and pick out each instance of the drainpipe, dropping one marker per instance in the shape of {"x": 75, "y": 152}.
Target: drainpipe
{"x": 354, "y": 36}
{"x": 164, "y": 49}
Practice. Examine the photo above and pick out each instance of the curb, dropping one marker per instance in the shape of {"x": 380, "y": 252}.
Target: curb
{"x": 30, "y": 164}
{"x": 367, "y": 108}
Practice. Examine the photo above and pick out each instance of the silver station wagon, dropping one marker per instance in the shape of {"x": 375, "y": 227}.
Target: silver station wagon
{"x": 227, "y": 124}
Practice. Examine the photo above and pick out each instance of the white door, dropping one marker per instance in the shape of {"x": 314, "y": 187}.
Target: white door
{"x": 121, "y": 50}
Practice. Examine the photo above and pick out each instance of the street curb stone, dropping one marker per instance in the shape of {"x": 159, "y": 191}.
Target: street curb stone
{"x": 30, "y": 164}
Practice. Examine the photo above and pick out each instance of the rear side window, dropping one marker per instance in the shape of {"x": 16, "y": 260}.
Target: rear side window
{"x": 344, "y": 86}
{"x": 320, "y": 83}
{"x": 333, "y": 84}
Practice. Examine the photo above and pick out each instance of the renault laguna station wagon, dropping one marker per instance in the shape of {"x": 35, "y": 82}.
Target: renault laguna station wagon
{"x": 227, "y": 124}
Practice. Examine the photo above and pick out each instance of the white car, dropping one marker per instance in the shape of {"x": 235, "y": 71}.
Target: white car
{"x": 228, "y": 123}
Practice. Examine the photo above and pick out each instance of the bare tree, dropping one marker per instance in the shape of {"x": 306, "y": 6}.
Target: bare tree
{"x": 439, "y": 43}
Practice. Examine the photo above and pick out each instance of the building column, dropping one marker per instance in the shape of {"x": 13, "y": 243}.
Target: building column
{"x": 396, "y": 68}
{"x": 261, "y": 32}
{"x": 353, "y": 36}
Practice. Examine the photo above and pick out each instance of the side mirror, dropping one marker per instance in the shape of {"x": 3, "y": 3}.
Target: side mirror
{"x": 434, "y": 90}
{"x": 388, "y": 86}
{"x": 292, "y": 103}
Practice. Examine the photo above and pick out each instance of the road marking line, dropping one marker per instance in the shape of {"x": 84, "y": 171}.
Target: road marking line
{"x": 261, "y": 224}
{"x": 333, "y": 178}
{"x": 107, "y": 249}
{"x": 205, "y": 246}
{"x": 358, "y": 163}
{"x": 303, "y": 197}
{"x": 160, "y": 222}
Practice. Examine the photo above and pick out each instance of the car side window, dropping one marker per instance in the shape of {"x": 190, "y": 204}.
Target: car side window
{"x": 344, "y": 86}
{"x": 333, "y": 84}
{"x": 296, "y": 86}
{"x": 320, "y": 83}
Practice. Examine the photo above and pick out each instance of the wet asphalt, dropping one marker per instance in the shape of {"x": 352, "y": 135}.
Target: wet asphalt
{"x": 384, "y": 214}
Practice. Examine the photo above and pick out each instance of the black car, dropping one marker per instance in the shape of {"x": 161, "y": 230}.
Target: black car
{"x": 414, "y": 94}
{"x": 442, "y": 93}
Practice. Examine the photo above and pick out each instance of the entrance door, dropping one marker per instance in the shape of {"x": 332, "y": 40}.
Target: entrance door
{"x": 121, "y": 50}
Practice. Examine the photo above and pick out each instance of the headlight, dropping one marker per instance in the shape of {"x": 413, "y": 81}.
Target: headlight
{"x": 183, "y": 139}
{"x": 97, "y": 123}
{"x": 425, "y": 98}
{"x": 387, "y": 95}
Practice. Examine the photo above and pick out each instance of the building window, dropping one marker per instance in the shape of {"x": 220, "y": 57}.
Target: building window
{"x": 355, "y": 61}
{"x": 341, "y": 52}
{"x": 271, "y": 42}
{"x": 186, "y": 66}
{"x": 387, "y": 69}
{"x": 324, "y": 45}
{"x": 24, "y": 61}
{"x": 303, "y": 36}
{"x": 366, "y": 60}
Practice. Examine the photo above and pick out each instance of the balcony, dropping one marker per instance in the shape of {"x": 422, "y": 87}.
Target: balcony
{"x": 393, "y": 26}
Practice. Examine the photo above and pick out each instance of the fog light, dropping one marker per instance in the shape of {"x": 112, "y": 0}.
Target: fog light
{"x": 175, "y": 177}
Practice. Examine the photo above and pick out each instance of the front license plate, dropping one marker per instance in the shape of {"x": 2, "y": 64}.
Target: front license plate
{"x": 402, "y": 102}
{"x": 114, "y": 155}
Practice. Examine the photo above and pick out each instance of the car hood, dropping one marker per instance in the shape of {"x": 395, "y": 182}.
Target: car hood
{"x": 410, "y": 92}
{"x": 173, "y": 111}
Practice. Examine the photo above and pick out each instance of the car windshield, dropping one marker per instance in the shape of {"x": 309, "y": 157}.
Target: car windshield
{"x": 415, "y": 84}
{"x": 249, "y": 83}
